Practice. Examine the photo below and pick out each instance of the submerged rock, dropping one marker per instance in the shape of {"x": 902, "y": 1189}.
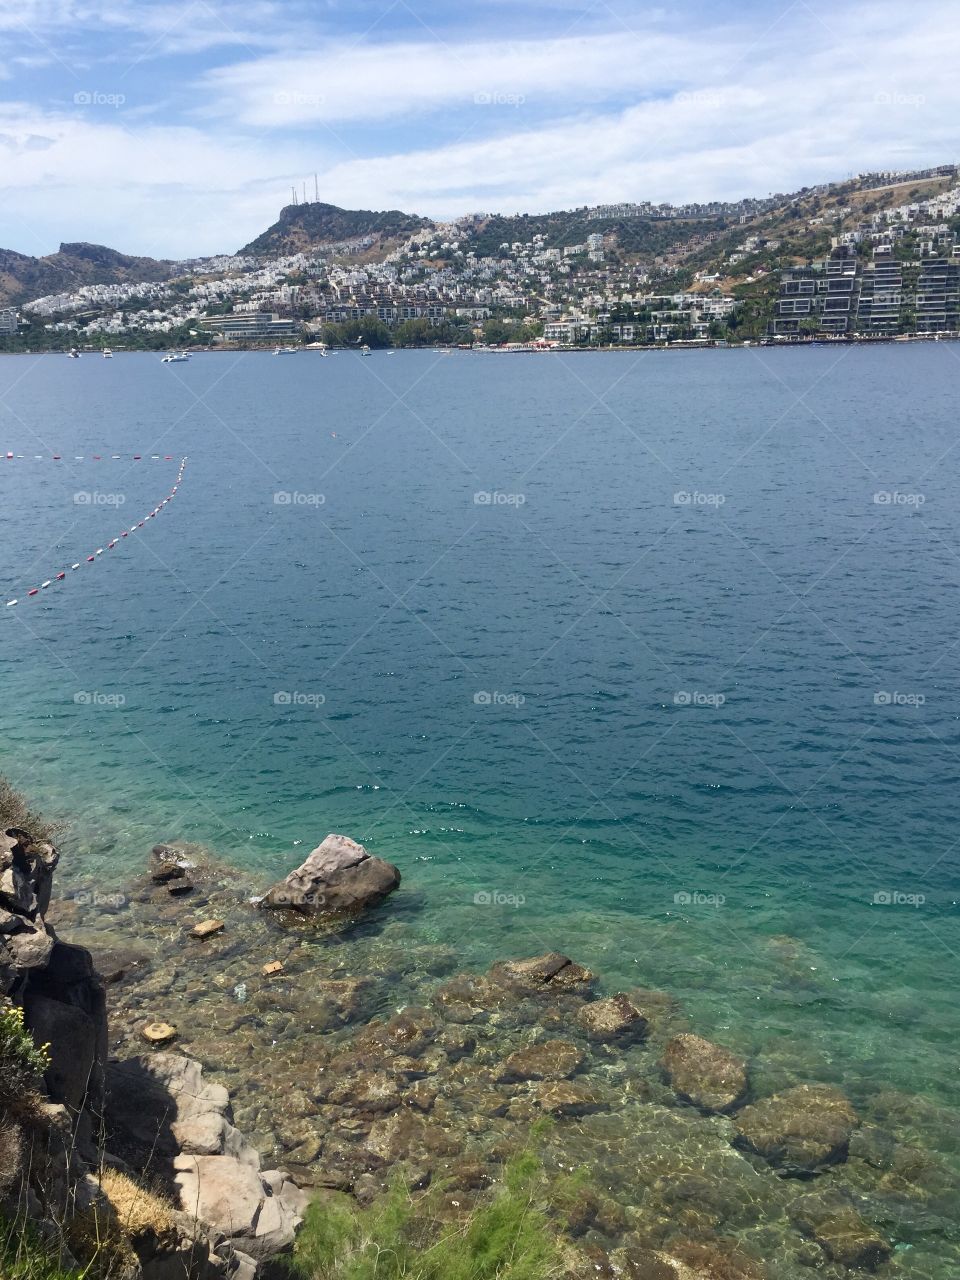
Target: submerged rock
{"x": 550, "y": 1060}
{"x": 830, "y": 1217}
{"x": 614, "y": 1018}
{"x": 338, "y": 878}
{"x": 800, "y": 1130}
{"x": 704, "y": 1073}
{"x": 553, "y": 972}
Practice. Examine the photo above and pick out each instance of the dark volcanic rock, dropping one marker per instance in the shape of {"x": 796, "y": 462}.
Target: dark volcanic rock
{"x": 831, "y": 1218}
{"x": 706, "y": 1074}
{"x": 800, "y": 1130}
{"x": 338, "y": 878}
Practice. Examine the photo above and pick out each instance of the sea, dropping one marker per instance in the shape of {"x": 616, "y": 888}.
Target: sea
{"x": 647, "y": 657}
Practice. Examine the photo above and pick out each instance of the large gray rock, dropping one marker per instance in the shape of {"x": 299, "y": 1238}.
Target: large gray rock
{"x": 259, "y": 1213}
{"x": 338, "y": 878}
{"x": 160, "y": 1108}
{"x": 26, "y": 880}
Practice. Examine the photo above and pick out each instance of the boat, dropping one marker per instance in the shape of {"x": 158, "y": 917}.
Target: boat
{"x": 107, "y": 353}
{"x": 73, "y": 353}
{"x": 286, "y": 351}
{"x": 174, "y": 357}
{"x": 365, "y": 350}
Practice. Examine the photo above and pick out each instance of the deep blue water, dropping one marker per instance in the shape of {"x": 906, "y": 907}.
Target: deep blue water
{"x": 750, "y": 696}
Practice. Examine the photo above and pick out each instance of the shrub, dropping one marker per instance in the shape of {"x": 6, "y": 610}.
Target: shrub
{"x": 16, "y": 812}
{"x": 505, "y": 1238}
{"x": 22, "y": 1064}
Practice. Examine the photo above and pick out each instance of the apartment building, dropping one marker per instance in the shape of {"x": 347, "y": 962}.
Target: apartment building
{"x": 8, "y": 321}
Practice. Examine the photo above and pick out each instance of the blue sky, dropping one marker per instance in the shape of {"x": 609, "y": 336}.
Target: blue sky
{"x": 177, "y": 127}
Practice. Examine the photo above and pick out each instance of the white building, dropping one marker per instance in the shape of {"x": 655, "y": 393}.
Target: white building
{"x": 8, "y": 321}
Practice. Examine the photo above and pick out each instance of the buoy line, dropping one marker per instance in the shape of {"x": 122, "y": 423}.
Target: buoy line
{"x": 10, "y": 456}
{"x": 92, "y": 559}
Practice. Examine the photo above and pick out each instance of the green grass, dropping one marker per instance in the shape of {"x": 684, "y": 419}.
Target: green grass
{"x": 25, "y": 1256}
{"x": 507, "y": 1237}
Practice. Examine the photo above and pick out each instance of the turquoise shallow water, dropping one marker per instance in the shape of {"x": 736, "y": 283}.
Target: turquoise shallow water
{"x": 703, "y": 724}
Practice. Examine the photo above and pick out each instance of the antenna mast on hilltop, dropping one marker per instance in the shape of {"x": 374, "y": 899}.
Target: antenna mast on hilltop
{"x": 316, "y": 189}
{"x": 293, "y": 192}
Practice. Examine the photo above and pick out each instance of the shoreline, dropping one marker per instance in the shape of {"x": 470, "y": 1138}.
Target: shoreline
{"x": 681, "y": 344}
{"x": 354, "y": 1052}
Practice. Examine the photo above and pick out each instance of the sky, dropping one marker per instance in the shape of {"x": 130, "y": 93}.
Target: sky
{"x": 175, "y": 128}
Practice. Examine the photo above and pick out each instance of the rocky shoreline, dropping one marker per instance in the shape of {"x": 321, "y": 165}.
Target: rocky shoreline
{"x": 352, "y": 1054}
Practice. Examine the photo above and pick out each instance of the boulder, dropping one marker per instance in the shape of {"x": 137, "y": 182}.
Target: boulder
{"x": 614, "y": 1018}
{"x": 259, "y": 1214}
{"x": 706, "y": 1074}
{"x": 800, "y": 1130}
{"x": 830, "y": 1217}
{"x": 162, "y": 1114}
{"x": 551, "y": 972}
{"x": 549, "y": 1060}
{"x": 339, "y": 878}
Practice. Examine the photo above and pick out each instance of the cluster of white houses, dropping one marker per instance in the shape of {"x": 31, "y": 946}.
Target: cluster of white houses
{"x": 654, "y": 318}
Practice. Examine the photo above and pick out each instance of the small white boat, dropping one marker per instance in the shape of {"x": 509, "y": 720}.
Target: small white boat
{"x": 286, "y": 351}
{"x": 73, "y": 353}
{"x": 174, "y": 357}
{"x": 107, "y": 353}
{"x": 365, "y": 350}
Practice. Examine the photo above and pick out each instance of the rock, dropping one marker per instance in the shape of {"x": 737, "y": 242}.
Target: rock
{"x": 158, "y": 1032}
{"x": 706, "y": 1074}
{"x": 271, "y": 968}
{"x": 338, "y": 878}
{"x": 180, "y": 888}
{"x": 551, "y": 972}
{"x": 549, "y": 1060}
{"x": 167, "y": 862}
{"x": 73, "y": 1040}
{"x": 402, "y": 1134}
{"x": 614, "y": 1018}
{"x": 694, "y": 1260}
{"x": 409, "y": 1033}
{"x": 237, "y": 1200}
{"x": 207, "y": 928}
{"x": 568, "y": 1098}
{"x": 830, "y": 1217}
{"x": 800, "y": 1130}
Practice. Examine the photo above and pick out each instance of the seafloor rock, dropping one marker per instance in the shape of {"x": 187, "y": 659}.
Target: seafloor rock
{"x": 552, "y": 972}
{"x": 830, "y": 1216}
{"x": 568, "y": 1098}
{"x": 338, "y": 878}
{"x": 800, "y": 1130}
{"x": 549, "y": 1060}
{"x": 614, "y": 1018}
{"x": 693, "y": 1260}
{"x": 706, "y": 1074}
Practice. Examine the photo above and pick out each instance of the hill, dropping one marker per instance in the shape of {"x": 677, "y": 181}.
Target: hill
{"x": 73, "y": 265}
{"x": 302, "y": 227}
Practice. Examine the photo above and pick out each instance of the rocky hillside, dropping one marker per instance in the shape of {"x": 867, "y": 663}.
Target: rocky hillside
{"x": 23, "y": 277}
{"x": 301, "y": 227}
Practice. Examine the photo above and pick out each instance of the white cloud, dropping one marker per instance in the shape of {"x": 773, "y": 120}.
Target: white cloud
{"x": 370, "y": 81}
{"x": 707, "y": 116}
